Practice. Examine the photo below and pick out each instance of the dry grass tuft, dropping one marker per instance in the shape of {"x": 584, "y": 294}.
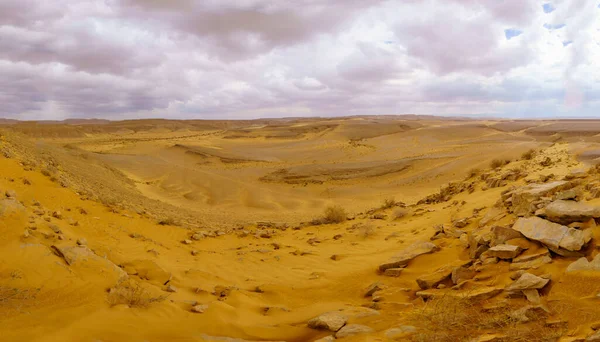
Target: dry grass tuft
{"x": 450, "y": 319}
{"x": 333, "y": 214}
{"x": 496, "y": 163}
{"x": 389, "y": 203}
{"x": 133, "y": 295}
{"x": 528, "y": 155}
{"x": 400, "y": 213}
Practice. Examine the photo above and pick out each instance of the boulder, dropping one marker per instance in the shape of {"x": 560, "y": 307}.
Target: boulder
{"x": 403, "y": 258}
{"x": 332, "y": 321}
{"x": 527, "y": 281}
{"x": 566, "y": 212}
{"x": 353, "y": 329}
{"x": 504, "y": 251}
{"x": 522, "y": 200}
{"x": 551, "y": 234}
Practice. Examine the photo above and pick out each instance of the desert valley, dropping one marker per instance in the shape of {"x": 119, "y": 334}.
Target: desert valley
{"x": 381, "y": 228}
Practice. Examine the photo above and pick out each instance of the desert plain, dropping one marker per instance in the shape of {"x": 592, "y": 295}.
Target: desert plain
{"x": 366, "y": 228}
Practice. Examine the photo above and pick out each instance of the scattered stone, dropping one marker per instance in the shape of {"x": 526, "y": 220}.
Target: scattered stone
{"x": 82, "y": 242}
{"x": 332, "y": 321}
{"x": 194, "y": 252}
{"x": 531, "y": 264}
{"x": 171, "y": 289}
{"x": 582, "y": 264}
{"x": 532, "y": 295}
{"x": 435, "y": 278}
{"x": 57, "y": 215}
{"x": 393, "y": 272}
{"x": 500, "y": 235}
{"x": 10, "y": 194}
{"x": 199, "y": 308}
{"x": 55, "y": 228}
{"x": 329, "y": 338}
{"x": 566, "y": 212}
{"x": 378, "y": 286}
{"x": 504, "y": 251}
{"x": 595, "y": 337}
{"x": 475, "y": 295}
{"x": 527, "y": 281}
{"x": 517, "y": 275}
{"x": 460, "y": 274}
{"x": 187, "y": 242}
{"x": 197, "y": 236}
{"x": 353, "y": 329}
{"x": 552, "y": 234}
{"x": 403, "y": 258}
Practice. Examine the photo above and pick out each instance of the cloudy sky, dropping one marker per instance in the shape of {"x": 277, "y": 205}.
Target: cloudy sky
{"x": 215, "y": 59}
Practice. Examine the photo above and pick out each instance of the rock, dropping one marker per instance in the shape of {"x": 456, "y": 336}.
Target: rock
{"x": 332, "y": 321}
{"x": 566, "y": 212}
{"x": 571, "y": 194}
{"x": 493, "y": 214}
{"x": 434, "y": 279}
{"x": 461, "y": 223}
{"x": 523, "y": 199}
{"x": 504, "y": 251}
{"x": 460, "y": 274}
{"x": 403, "y": 258}
{"x": 353, "y": 329}
{"x": 400, "y": 332}
{"x": 200, "y": 308}
{"x": 490, "y": 261}
{"x": 10, "y": 194}
{"x": 329, "y": 338}
{"x": 582, "y": 264}
{"x": 595, "y": 337}
{"x": 374, "y": 288}
{"x": 532, "y": 295}
{"x": 57, "y": 215}
{"x": 517, "y": 275}
{"x": 551, "y": 234}
{"x": 532, "y": 253}
{"x": 82, "y": 242}
{"x": 187, "y": 242}
{"x": 531, "y": 264}
{"x": 502, "y": 234}
{"x": 171, "y": 289}
{"x": 474, "y": 295}
{"x": 527, "y": 281}
{"x": 393, "y": 272}
{"x": 197, "y": 236}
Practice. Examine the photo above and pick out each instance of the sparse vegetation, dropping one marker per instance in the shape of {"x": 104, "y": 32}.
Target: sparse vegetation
{"x": 333, "y": 214}
{"x": 450, "y": 318}
{"x": 400, "y": 213}
{"x": 496, "y": 163}
{"x": 388, "y": 203}
{"x": 133, "y": 295}
{"x": 528, "y": 155}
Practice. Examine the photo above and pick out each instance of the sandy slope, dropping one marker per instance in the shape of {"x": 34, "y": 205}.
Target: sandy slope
{"x": 260, "y": 283}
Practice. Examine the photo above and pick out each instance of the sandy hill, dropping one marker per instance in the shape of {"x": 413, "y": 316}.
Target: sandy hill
{"x": 429, "y": 230}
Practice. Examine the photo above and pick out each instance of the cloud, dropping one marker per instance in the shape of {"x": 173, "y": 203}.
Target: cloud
{"x": 266, "y": 58}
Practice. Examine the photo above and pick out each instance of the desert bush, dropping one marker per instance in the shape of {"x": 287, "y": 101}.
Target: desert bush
{"x": 496, "y": 163}
{"x": 132, "y": 294}
{"x": 452, "y": 318}
{"x": 528, "y": 155}
{"x": 334, "y": 214}
{"x": 473, "y": 172}
{"x": 400, "y": 213}
{"x": 388, "y": 203}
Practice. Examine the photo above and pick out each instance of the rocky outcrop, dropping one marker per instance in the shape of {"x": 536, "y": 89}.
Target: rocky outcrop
{"x": 403, "y": 258}
{"x": 552, "y": 234}
{"x": 567, "y": 212}
{"x": 523, "y": 201}
{"x": 504, "y": 251}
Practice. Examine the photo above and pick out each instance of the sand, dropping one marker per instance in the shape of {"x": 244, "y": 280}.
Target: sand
{"x": 263, "y": 274}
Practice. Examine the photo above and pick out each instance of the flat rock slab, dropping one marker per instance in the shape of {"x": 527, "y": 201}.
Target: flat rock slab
{"x": 475, "y": 295}
{"x": 526, "y": 282}
{"x": 530, "y": 264}
{"x": 552, "y": 234}
{"x": 504, "y": 251}
{"x": 403, "y": 258}
{"x": 567, "y": 212}
{"x": 582, "y": 264}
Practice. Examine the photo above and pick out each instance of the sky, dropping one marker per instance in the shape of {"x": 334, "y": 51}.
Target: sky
{"x": 244, "y": 59}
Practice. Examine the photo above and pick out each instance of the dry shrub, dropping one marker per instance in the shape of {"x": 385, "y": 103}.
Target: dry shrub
{"x": 133, "y": 295}
{"x": 473, "y": 172}
{"x": 496, "y": 163}
{"x": 333, "y": 214}
{"x": 451, "y": 318}
{"x": 400, "y": 213}
{"x": 389, "y": 203}
{"x": 528, "y": 155}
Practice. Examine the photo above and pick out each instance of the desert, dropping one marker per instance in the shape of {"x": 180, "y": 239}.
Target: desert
{"x": 383, "y": 228}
